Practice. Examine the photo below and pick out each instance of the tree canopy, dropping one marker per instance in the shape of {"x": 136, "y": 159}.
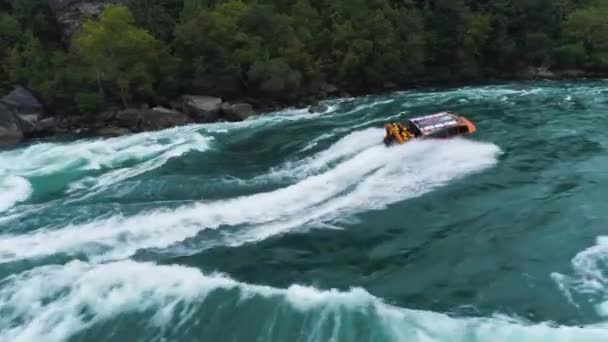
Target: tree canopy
{"x": 152, "y": 50}
{"x": 127, "y": 61}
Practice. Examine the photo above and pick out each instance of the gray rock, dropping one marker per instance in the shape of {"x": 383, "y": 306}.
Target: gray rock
{"x": 237, "y": 111}
{"x": 10, "y": 131}
{"x": 8, "y": 137}
{"x": 329, "y": 89}
{"x": 47, "y": 125}
{"x": 21, "y": 101}
{"x": 28, "y": 123}
{"x": 572, "y": 73}
{"x": 318, "y": 108}
{"x": 390, "y": 85}
{"x": 538, "y": 73}
{"x": 128, "y": 118}
{"x": 113, "y": 131}
{"x": 148, "y": 120}
{"x": 165, "y": 110}
{"x": 70, "y": 123}
{"x": 545, "y": 73}
{"x": 202, "y": 108}
{"x": 155, "y": 120}
{"x": 106, "y": 116}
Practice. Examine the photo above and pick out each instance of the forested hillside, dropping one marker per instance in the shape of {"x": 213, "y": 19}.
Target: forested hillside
{"x": 151, "y": 51}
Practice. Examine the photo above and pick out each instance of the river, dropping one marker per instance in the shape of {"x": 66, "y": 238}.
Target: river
{"x": 294, "y": 226}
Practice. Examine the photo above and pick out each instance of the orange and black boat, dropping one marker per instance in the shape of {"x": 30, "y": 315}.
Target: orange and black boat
{"x": 440, "y": 125}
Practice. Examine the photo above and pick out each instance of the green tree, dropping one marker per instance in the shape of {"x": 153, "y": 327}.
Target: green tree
{"x": 476, "y": 36}
{"x": 275, "y": 78}
{"x": 446, "y": 24}
{"x": 127, "y": 61}
{"x": 572, "y": 55}
{"x": 589, "y": 26}
{"x": 157, "y": 17}
{"x": 9, "y": 39}
{"x": 215, "y": 50}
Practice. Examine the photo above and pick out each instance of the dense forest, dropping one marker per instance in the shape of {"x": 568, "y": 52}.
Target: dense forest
{"x": 151, "y": 51}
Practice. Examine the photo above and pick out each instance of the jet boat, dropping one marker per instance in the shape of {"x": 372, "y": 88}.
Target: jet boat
{"x": 442, "y": 125}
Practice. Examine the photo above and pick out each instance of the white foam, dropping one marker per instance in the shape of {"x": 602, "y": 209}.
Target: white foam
{"x": 143, "y": 152}
{"x": 353, "y": 128}
{"x": 390, "y": 176}
{"x": 469, "y": 94}
{"x": 372, "y": 177}
{"x": 348, "y": 146}
{"x": 53, "y": 303}
{"x": 178, "y": 146}
{"x": 590, "y": 277}
{"x": 13, "y": 189}
{"x": 286, "y": 115}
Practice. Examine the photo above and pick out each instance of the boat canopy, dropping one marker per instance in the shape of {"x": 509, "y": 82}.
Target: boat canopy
{"x": 433, "y": 123}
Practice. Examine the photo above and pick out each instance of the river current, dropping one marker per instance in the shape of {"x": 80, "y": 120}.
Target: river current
{"x": 293, "y": 226}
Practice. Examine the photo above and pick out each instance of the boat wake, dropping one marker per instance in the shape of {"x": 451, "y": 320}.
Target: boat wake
{"x": 366, "y": 176}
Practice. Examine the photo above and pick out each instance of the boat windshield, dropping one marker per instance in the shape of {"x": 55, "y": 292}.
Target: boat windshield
{"x": 412, "y": 128}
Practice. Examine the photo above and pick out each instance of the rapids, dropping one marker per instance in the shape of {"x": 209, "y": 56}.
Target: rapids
{"x": 293, "y": 226}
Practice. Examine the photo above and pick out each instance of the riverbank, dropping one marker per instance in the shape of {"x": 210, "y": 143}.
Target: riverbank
{"x": 23, "y": 117}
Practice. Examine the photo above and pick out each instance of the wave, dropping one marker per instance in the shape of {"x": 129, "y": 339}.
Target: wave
{"x": 371, "y": 178}
{"x": 92, "y": 154}
{"x": 13, "y": 189}
{"x": 590, "y": 278}
{"x": 383, "y": 177}
{"x": 277, "y": 117}
{"x": 176, "y": 148}
{"x": 146, "y": 301}
{"x": 348, "y": 146}
{"x": 113, "y": 160}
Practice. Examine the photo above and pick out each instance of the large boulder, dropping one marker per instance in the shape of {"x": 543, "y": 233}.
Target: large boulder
{"x": 236, "y": 111}
{"x": 69, "y": 13}
{"x": 571, "y": 73}
{"x": 22, "y": 101}
{"x": 26, "y": 109}
{"x": 48, "y": 125}
{"x": 105, "y": 116}
{"x": 129, "y": 118}
{"x": 112, "y": 131}
{"x": 137, "y": 120}
{"x": 329, "y": 89}
{"x": 390, "y": 85}
{"x": 161, "y": 118}
{"x": 29, "y": 123}
{"x": 202, "y": 108}
{"x": 10, "y": 130}
{"x": 538, "y": 73}
{"x": 318, "y": 108}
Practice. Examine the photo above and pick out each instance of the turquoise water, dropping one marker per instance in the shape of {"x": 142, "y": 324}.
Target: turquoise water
{"x": 303, "y": 227}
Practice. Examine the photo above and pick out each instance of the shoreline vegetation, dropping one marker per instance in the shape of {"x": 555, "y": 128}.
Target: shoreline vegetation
{"x": 122, "y": 66}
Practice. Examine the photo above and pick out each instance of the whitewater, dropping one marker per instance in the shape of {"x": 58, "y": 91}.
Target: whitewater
{"x": 293, "y": 226}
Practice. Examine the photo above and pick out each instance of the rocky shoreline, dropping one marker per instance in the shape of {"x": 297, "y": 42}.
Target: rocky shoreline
{"x": 23, "y": 117}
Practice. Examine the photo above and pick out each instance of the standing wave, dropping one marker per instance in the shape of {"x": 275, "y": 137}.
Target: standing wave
{"x": 13, "y": 189}
{"x": 111, "y": 160}
{"x": 589, "y": 281}
{"x": 149, "y": 302}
